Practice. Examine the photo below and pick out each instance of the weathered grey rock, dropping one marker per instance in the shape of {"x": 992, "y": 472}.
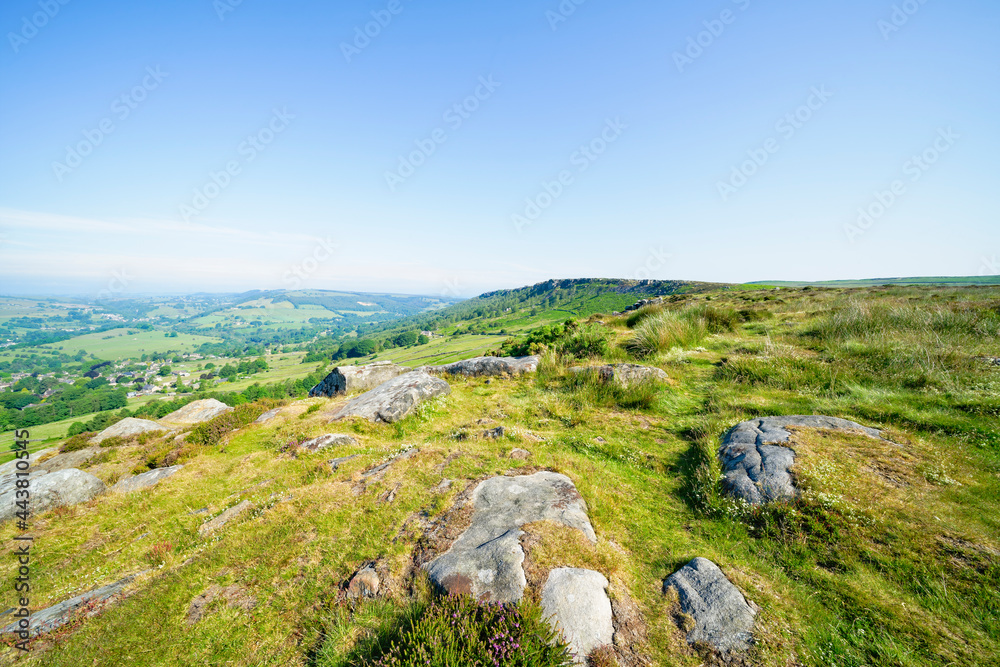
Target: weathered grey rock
{"x": 267, "y": 416}
{"x": 196, "y": 412}
{"x": 721, "y": 614}
{"x": 364, "y": 584}
{"x": 494, "y": 433}
{"x": 51, "y": 490}
{"x": 59, "y": 462}
{"x": 756, "y": 466}
{"x": 624, "y": 374}
{"x": 519, "y": 454}
{"x": 346, "y": 379}
{"x": 575, "y": 602}
{"x": 487, "y": 366}
{"x": 486, "y": 560}
{"x": 60, "y": 614}
{"x": 212, "y": 525}
{"x": 335, "y": 463}
{"x": 126, "y": 428}
{"x": 145, "y": 480}
{"x": 327, "y": 440}
{"x": 11, "y": 466}
{"x": 394, "y": 399}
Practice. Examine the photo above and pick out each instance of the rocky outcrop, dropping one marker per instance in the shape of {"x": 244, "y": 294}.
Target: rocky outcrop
{"x": 642, "y": 303}
{"x": 267, "y": 416}
{"x": 575, "y": 603}
{"x": 486, "y": 559}
{"x": 50, "y": 490}
{"x": 624, "y": 374}
{"x": 722, "y": 618}
{"x": 347, "y": 379}
{"x": 327, "y": 440}
{"x": 364, "y": 584}
{"x": 127, "y": 428}
{"x": 73, "y": 459}
{"x": 196, "y": 412}
{"x": 394, "y": 399}
{"x": 60, "y": 614}
{"x": 11, "y": 466}
{"x": 218, "y": 522}
{"x": 145, "y": 480}
{"x": 756, "y": 464}
{"x": 487, "y": 366}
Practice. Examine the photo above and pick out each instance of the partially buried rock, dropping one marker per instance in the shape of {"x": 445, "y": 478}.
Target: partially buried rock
{"x": 486, "y": 560}
{"x": 73, "y": 459}
{"x": 196, "y": 412}
{"x": 126, "y": 428}
{"x": 327, "y": 440}
{"x": 394, "y": 399}
{"x": 218, "y": 522}
{"x": 756, "y": 464}
{"x": 51, "y": 490}
{"x": 519, "y": 454}
{"x": 346, "y": 379}
{"x": 722, "y": 618}
{"x": 494, "y": 433}
{"x": 575, "y": 603}
{"x": 364, "y": 584}
{"x": 623, "y": 374}
{"x": 488, "y": 366}
{"x": 145, "y": 480}
{"x": 267, "y": 416}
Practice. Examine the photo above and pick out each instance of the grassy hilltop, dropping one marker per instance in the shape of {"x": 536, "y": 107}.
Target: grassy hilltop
{"x": 891, "y": 556}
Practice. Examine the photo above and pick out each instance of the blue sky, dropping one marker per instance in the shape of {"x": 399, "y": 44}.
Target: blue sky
{"x": 215, "y": 146}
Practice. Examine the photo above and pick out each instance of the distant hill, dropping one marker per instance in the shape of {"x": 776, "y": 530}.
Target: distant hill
{"x": 870, "y": 282}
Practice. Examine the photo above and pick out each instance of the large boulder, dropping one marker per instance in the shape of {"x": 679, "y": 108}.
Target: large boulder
{"x": 575, "y": 603}
{"x": 145, "y": 480}
{"x": 623, "y": 374}
{"x": 346, "y": 379}
{"x": 487, "y": 366}
{"x": 394, "y": 399}
{"x": 73, "y": 459}
{"x": 196, "y": 412}
{"x": 11, "y": 467}
{"x": 50, "y": 490}
{"x": 486, "y": 560}
{"x": 722, "y": 618}
{"x": 126, "y": 428}
{"x": 756, "y": 465}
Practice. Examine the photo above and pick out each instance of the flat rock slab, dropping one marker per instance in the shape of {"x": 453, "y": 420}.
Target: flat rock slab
{"x": 60, "y": 614}
{"x": 346, "y": 379}
{"x": 10, "y": 467}
{"x": 486, "y": 560}
{"x": 267, "y": 416}
{"x": 218, "y": 522}
{"x": 327, "y": 440}
{"x": 196, "y": 412}
{"x": 51, "y": 490}
{"x": 488, "y": 366}
{"x": 755, "y": 464}
{"x": 394, "y": 399}
{"x": 575, "y": 603}
{"x": 145, "y": 480}
{"x": 721, "y": 614}
{"x": 73, "y": 459}
{"x": 126, "y": 428}
{"x": 624, "y": 374}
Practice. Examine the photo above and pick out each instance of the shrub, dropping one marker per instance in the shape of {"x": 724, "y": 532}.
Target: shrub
{"x": 667, "y": 330}
{"x": 588, "y": 341}
{"x": 211, "y": 432}
{"x": 458, "y": 630}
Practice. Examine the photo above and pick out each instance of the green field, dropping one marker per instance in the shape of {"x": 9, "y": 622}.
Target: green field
{"x": 119, "y": 344}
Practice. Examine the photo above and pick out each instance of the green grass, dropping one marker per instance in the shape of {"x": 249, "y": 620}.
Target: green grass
{"x": 890, "y": 557}
{"x": 118, "y": 344}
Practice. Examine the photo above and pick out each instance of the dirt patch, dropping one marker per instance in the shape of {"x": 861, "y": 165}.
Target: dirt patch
{"x": 631, "y": 643}
{"x": 233, "y": 596}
